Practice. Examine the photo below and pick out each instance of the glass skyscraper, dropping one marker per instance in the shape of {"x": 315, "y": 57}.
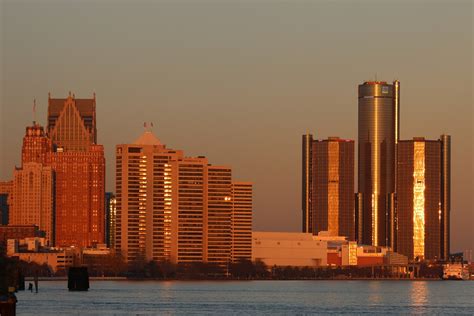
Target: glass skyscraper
{"x": 379, "y": 112}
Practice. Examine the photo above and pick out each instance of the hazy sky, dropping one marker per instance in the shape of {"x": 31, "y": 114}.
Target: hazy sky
{"x": 241, "y": 81}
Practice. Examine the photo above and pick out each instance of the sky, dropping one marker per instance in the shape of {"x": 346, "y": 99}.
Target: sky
{"x": 241, "y": 81}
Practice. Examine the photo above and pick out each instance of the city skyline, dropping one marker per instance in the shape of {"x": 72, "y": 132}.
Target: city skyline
{"x": 246, "y": 123}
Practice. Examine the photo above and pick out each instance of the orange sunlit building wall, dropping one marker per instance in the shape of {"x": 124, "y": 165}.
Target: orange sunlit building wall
{"x": 32, "y": 195}
{"x": 422, "y": 179}
{"x": 176, "y": 208}
{"x": 328, "y": 186}
{"x": 242, "y": 209}
{"x": 79, "y": 166}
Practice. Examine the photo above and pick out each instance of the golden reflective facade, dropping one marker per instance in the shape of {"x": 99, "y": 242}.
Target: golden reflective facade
{"x": 420, "y": 182}
{"x": 378, "y": 132}
{"x": 333, "y": 187}
{"x": 419, "y": 200}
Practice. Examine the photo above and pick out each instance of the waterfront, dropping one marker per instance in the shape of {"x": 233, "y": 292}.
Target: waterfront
{"x": 251, "y": 297}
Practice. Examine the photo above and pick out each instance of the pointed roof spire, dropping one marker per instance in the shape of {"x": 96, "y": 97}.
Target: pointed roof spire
{"x": 147, "y": 138}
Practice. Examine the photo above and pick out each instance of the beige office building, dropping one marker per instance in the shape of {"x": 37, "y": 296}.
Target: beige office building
{"x": 171, "y": 207}
{"x": 33, "y": 203}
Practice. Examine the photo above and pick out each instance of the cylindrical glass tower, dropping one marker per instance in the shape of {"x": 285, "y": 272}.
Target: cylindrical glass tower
{"x": 378, "y": 133}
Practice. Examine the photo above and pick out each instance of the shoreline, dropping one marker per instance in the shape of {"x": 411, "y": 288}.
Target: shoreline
{"x": 246, "y": 280}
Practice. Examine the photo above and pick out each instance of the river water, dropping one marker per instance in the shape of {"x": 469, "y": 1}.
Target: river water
{"x": 251, "y": 297}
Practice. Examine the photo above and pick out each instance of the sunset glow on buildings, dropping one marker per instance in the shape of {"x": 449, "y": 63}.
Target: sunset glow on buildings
{"x": 177, "y": 208}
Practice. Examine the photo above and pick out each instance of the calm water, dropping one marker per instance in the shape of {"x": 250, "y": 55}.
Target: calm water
{"x": 251, "y": 297}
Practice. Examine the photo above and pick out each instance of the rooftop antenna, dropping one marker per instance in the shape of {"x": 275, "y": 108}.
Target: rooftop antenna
{"x": 375, "y": 77}
{"x": 34, "y": 111}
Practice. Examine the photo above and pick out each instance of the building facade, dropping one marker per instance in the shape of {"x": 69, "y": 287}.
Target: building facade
{"x": 79, "y": 166}
{"x": 307, "y": 184}
{"x": 5, "y": 197}
{"x": 333, "y": 187}
{"x": 36, "y": 147}
{"x": 423, "y": 176}
{"x": 19, "y": 232}
{"x": 171, "y": 207}
{"x": 242, "y": 209}
{"x": 289, "y": 249}
{"x": 33, "y": 198}
{"x": 328, "y": 186}
{"x": 379, "y": 113}
{"x": 110, "y": 219}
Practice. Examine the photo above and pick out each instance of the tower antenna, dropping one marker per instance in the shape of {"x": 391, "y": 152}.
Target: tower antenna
{"x": 34, "y": 111}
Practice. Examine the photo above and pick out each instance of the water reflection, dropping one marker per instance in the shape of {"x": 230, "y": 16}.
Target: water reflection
{"x": 167, "y": 290}
{"x": 374, "y": 293}
{"x": 419, "y": 295}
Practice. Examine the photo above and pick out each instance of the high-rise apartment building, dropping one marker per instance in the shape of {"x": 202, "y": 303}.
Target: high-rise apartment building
{"x": 5, "y": 197}
{"x": 218, "y": 215}
{"x": 33, "y": 198}
{"x": 328, "y": 186}
{"x": 79, "y": 166}
{"x": 242, "y": 206}
{"x": 171, "y": 207}
{"x": 423, "y": 176}
{"x": 379, "y": 113}
{"x": 145, "y": 195}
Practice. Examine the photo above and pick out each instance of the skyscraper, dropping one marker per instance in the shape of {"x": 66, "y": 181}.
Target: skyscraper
{"x": 218, "y": 215}
{"x": 172, "y": 207}
{"x": 79, "y": 165}
{"x": 333, "y": 187}
{"x": 144, "y": 194}
{"x": 72, "y": 123}
{"x": 328, "y": 186}
{"x": 242, "y": 197}
{"x": 110, "y": 219}
{"x": 379, "y": 112}
{"x": 307, "y": 183}
{"x": 37, "y": 146}
{"x": 423, "y": 176}
{"x": 445, "y": 196}
{"x": 33, "y": 198}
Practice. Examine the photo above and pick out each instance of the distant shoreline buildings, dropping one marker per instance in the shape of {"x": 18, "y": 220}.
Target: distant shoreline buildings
{"x": 179, "y": 209}
{"x": 171, "y": 208}
{"x": 166, "y": 207}
{"x": 403, "y": 198}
